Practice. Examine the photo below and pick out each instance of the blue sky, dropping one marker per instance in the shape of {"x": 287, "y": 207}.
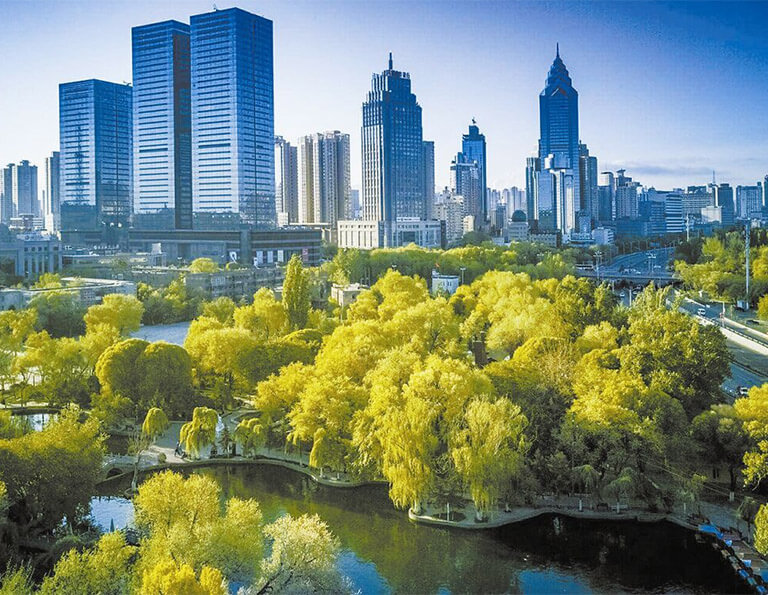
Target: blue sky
{"x": 670, "y": 91}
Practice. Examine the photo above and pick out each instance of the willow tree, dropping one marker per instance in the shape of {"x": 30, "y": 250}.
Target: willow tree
{"x": 251, "y": 434}
{"x": 761, "y": 530}
{"x": 490, "y": 449}
{"x": 200, "y": 432}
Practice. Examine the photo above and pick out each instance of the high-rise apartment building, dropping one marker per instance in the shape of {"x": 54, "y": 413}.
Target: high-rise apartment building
{"x": 627, "y": 196}
{"x": 588, "y": 182}
{"x": 233, "y": 153}
{"x": 429, "y": 177}
{"x": 324, "y": 178}
{"x": 286, "y": 181}
{"x": 748, "y": 201}
{"x": 51, "y": 193}
{"x": 162, "y": 123}
{"x": 392, "y": 150}
{"x": 474, "y": 148}
{"x": 95, "y": 130}
{"x": 24, "y": 189}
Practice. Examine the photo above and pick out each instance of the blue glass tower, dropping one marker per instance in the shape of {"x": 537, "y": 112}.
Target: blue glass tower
{"x": 473, "y": 147}
{"x": 233, "y": 155}
{"x": 393, "y": 153}
{"x": 559, "y": 116}
{"x": 162, "y": 124}
{"x": 95, "y": 168}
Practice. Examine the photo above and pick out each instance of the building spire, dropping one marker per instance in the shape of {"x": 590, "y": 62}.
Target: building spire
{"x": 557, "y": 51}
{"x": 390, "y": 60}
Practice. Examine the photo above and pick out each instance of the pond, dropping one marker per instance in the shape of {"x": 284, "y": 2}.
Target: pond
{"x": 383, "y": 551}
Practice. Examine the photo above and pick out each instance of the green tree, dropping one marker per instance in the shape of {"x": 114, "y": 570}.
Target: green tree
{"x": 222, "y": 309}
{"x": 121, "y": 312}
{"x": 155, "y": 423}
{"x": 266, "y": 318}
{"x": 200, "y": 432}
{"x": 59, "y": 313}
{"x": 203, "y": 265}
{"x": 721, "y": 439}
{"x": 48, "y": 281}
{"x": 303, "y": 557}
{"x": 103, "y": 570}
{"x": 296, "y": 298}
{"x": 761, "y": 530}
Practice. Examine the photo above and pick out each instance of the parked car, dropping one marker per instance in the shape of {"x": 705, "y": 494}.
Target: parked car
{"x": 743, "y": 391}
{"x": 701, "y": 312}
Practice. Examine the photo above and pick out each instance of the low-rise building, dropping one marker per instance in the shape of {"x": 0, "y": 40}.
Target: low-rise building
{"x": 88, "y": 291}
{"x": 367, "y": 235}
{"x": 344, "y": 295}
{"x": 447, "y": 284}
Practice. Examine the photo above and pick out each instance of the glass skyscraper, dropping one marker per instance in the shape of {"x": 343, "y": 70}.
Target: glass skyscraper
{"x": 393, "y": 153}
{"x": 473, "y": 147}
{"x": 95, "y": 157}
{"x": 162, "y": 124}
{"x": 233, "y": 154}
{"x": 554, "y": 177}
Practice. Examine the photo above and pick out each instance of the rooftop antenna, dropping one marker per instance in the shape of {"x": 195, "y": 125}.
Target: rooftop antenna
{"x": 713, "y": 178}
{"x": 474, "y": 122}
{"x": 390, "y": 60}
{"x": 215, "y": 8}
{"x": 557, "y": 46}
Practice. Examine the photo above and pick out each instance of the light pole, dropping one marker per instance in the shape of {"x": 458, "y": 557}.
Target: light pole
{"x": 598, "y": 258}
{"x": 462, "y": 269}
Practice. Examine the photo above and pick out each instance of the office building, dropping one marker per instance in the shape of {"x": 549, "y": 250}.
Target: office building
{"x": 162, "y": 124}
{"x": 449, "y": 208}
{"x": 474, "y": 149}
{"x": 606, "y": 195}
{"x": 554, "y": 176}
{"x": 95, "y": 135}
{"x": 392, "y": 151}
{"x": 233, "y": 154}
{"x": 723, "y": 194}
{"x": 6, "y": 194}
{"x": 356, "y": 207}
{"x": 367, "y": 234}
{"x": 627, "y": 199}
{"x": 466, "y": 181}
{"x": 429, "y": 176}
{"x": 588, "y": 182}
{"x": 518, "y": 227}
{"x": 20, "y": 191}
{"x": 51, "y": 193}
{"x": 324, "y": 178}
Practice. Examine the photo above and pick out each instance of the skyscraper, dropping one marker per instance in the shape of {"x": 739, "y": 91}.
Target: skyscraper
{"x": 233, "y": 153}
{"x": 473, "y": 146}
{"x": 162, "y": 124}
{"x": 324, "y": 175}
{"x": 748, "y": 201}
{"x": 627, "y": 200}
{"x": 393, "y": 167}
{"x": 555, "y": 177}
{"x": 51, "y": 194}
{"x": 95, "y": 158}
{"x": 429, "y": 177}
{"x": 466, "y": 181}
{"x": 286, "y": 181}
{"x": 606, "y": 194}
{"x": 6, "y": 194}
{"x": 24, "y": 189}
{"x": 588, "y": 184}
{"x": 724, "y": 199}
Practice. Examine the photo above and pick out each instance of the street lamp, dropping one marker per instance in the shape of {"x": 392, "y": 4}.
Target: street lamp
{"x": 598, "y": 258}
{"x": 462, "y": 269}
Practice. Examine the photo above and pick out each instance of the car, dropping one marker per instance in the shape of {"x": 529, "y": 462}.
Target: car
{"x": 622, "y": 294}
{"x": 743, "y": 391}
{"x": 701, "y": 312}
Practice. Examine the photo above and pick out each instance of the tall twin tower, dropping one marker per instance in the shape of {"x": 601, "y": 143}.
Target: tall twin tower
{"x": 196, "y": 130}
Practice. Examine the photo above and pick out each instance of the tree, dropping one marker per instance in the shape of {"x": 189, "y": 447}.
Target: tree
{"x": 117, "y": 369}
{"x": 122, "y": 312}
{"x": 172, "y": 578}
{"x": 200, "y": 432}
{"x": 761, "y": 530}
{"x": 203, "y": 265}
{"x": 303, "y": 557}
{"x": 60, "y": 313}
{"x": 48, "y": 281}
{"x": 721, "y": 438}
{"x": 296, "y": 298}
{"x": 753, "y": 412}
{"x": 489, "y": 449}
{"x": 155, "y": 423}
{"x": 164, "y": 373}
{"x": 103, "y": 570}
{"x": 222, "y": 309}
{"x": 266, "y": 318}
{"x": 251, "y": 434}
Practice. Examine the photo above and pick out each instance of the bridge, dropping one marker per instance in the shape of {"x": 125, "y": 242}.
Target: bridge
{"x": 637, "y": 268}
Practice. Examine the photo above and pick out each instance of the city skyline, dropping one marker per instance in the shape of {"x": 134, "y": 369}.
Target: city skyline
{"x": 641, "y": 76}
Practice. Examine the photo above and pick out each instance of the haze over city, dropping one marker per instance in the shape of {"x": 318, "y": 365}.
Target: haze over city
{"x": 667, "y": 90}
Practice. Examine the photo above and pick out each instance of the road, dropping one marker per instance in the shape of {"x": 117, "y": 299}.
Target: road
{"x": 741, "y": 377}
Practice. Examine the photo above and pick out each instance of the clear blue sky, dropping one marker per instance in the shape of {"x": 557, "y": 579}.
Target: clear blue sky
{"x": 670, "y": 91}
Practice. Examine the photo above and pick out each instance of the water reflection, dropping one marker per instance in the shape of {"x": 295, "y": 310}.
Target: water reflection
{"x": 384, "y": 551}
